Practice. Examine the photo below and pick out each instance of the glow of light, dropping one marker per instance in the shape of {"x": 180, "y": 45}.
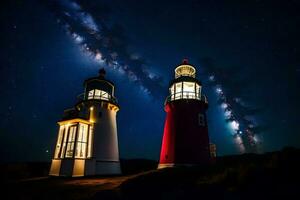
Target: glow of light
{"x": 211, "y": 78}
{"x": 77, "y": 38}
{"x": 75, "y": 6}
{"x": 88, "y": 21}
{"x": 98, "y": 56}
{"x": 240, "y": 132}
{"x": 132, "y": 76}
{"x": 234, "y": 125}
{"x": 238, "y": 140}
{"x": 121, "y": 70}
{"x": 255, "y": 138}
{"x": 227, "y": 113}
{"x": 145, "y": 90}
{"x": 224, "y": 105}
{"x": 219, "y": 90}
{"x": 151, "y": 75}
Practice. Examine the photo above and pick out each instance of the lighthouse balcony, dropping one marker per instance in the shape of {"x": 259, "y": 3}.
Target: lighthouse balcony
{"x": 186, "y": 95}
{"x": 101, "y": 96}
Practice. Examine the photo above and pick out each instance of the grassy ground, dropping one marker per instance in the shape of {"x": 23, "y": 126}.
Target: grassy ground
{"x": 250, "y": 176}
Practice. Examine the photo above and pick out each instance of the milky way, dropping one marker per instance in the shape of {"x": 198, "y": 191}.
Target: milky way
{"x": 105, "y": 42}
{"x": 239, "y": 114}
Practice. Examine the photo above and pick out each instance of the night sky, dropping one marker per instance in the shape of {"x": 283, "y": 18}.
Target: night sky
{"x": 249, "y": 49}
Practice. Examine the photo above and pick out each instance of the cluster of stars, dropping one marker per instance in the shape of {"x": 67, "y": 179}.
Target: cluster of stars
{"x": 97, "y": 41}
{"x": 241, "y": 134}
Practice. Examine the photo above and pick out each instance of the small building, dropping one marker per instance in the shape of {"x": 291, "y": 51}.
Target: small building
{"x": 87, "y": 141}
{"x": 185, "y": 139}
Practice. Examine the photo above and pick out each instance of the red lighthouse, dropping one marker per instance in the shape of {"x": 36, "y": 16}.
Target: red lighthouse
{"x": 185, "y": 140}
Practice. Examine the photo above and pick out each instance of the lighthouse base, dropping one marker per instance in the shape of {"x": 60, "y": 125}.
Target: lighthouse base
{"x": 82, "y": 167}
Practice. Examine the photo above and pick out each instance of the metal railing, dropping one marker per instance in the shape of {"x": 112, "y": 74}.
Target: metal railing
{"x": 186, "y": 95}
{"x": 185, "y": 74}
{"x": 110, "y": 98}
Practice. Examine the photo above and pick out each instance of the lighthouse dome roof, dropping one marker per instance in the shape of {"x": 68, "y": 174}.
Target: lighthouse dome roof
{"x": 185, "y": 69}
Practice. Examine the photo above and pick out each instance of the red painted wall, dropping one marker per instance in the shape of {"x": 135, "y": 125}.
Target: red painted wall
{"x": 184, "y": 140}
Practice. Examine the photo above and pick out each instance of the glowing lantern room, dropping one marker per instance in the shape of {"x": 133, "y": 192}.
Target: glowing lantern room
{"x": 87, "y": 142}
{"x": 99, "y": 89}
{"x": 185, "y": 86}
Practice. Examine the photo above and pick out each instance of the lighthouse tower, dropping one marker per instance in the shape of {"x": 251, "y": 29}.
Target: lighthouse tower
{"x": 185, "y": 139}
{"x": 87, "y": 142}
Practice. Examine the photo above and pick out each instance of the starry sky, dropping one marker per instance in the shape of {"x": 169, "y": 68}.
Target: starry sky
{"x": 250, "y": 48}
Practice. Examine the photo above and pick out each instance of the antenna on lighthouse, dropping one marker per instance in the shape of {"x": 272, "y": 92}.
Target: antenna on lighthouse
{"x": 102, "y": 73}
{"x": 185, "y": 61}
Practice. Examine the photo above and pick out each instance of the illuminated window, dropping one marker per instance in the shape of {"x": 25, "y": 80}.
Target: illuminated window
{"x": 62, "y": 155}
{"x": 91, "y": 94}
{"x": 59, "y": 141}
{"x": 201, "y": 119}
{"x": 66, "y": 141}
{"x": 90, "y": 142}
{"x": 98, "y": 94}
{"x": 198, "y": 91}
{"x": 188, "y": 90}
{"x": 172, "y": 92}
{"x": 185, "y": 90}
{"x": 105, "y": 95}
{"x": 81, "y": 144}
{"x": 71, "y": 142}
{"x": 178, "y": 90}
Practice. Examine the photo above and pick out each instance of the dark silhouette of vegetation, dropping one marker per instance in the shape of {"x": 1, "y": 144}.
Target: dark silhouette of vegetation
{"x": 248, "y": 176}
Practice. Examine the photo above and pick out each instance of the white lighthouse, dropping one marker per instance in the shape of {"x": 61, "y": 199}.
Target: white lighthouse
{"x": 87, "y": 142}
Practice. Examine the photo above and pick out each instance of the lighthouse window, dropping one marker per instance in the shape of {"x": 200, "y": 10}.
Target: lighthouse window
{"x": 62, "y": 155}
{"x": 172, "y": 92}
{"x": 201, "y": 120}
{"x": 59, "y": 141}
{"x": 91, "y": 94}
{"x": 198, "y": 91}
{"x": 90, "y": 142}
{"x": 178, "y": 90}
{"x": 188, "y": 90}
{"x": 105, "y": 95}
{"x": 98, "y": 94}
{"x": 71, "y": 141}
{"x": 185, "y": 90}
{"x": 81, "y": 145}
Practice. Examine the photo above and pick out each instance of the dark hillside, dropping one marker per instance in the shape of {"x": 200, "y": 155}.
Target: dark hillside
{"x": 248, "y": 176}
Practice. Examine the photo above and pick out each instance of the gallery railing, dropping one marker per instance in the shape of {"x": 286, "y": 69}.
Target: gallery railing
{"x": 110, "y": 98}
{"x": 186, "y": 95}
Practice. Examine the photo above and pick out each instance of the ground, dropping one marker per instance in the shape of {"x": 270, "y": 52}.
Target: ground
{"x": 248, "y": 176}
